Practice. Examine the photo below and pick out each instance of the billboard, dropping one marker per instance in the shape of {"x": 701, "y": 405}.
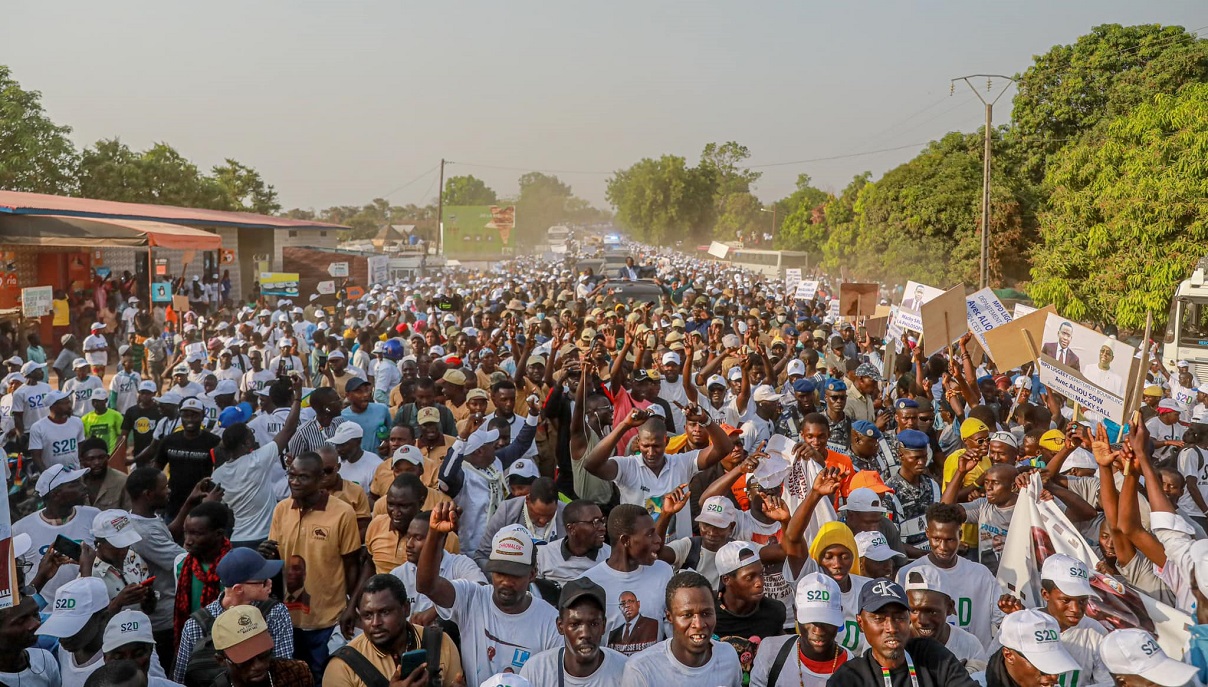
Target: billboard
{"x": 474, "y": 230}
{"x": 279, "y": 284}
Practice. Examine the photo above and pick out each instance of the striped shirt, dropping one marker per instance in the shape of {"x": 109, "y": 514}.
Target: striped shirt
{"x": 312, "y": 435}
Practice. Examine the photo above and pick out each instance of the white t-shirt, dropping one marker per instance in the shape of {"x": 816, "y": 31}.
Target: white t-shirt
{"x": 386, "y": 376}
{"x": 255, "y": 381}
{"x": 93, "y": 356}
{"x": 29, "y": 400}
{"x": 657, "y": 666}
{"x": 552, "y": 563}
{"x": 453, "y": 566}
{"x": 247, "y": 484}
{"x": 671, "y": 392}
{"x": 1160, "y": 431}
{"x": 125, "y": 385}
{"x": 852, "y": 638}
{"x": 967, "y": 649}
{"x": 43, "y": 671}
{"x": 81, "y": 393}
{"x": 231, "y": 373}
{"x": 493, "y": 641}
{"x": 974, "y": 591}
{"x": 640, "y": 486}
{"x": 543, "y": 669}
{"x": 792, "y": 674}
{"x": 60, "y": 443}
{"x": 648, "y": 583}
{"x": 1193, "y": 462}
{"x": 361, "y": 471}
{"x": 42, "y": 535}
{"x": 265, "y": 426}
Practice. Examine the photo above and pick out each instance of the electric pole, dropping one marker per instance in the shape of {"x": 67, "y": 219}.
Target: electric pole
{"x": 440, "y": 210}
{"x": 985, "y": 219}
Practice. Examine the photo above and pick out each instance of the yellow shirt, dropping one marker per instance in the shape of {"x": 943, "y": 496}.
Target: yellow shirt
{"x": 62, "y": 311}
{"x": 389, "y": 548}
{"x": 352, "y": 494}
{"x": 313, "y": 545}
{"x": 951, "y": 463}
{"x": 383, "y": 477}
{"x": 339, "y": 674}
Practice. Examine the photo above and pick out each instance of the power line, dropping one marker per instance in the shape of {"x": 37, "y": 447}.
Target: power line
{"x": 387, "y": 195}
{"x": 530, "y": 169}
{"x": 838, "y": 157}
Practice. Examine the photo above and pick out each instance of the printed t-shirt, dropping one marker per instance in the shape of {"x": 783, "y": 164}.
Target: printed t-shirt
{"x": 640, "y": 486}
{"x": 648, "y": 583}
{"x": 493, "y": 641}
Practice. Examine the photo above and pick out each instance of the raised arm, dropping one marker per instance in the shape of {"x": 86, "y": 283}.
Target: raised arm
{"x": 291, "y": 420}
{"x": 825, "y": 485}
{"x": 428, "y": 580}
{"x": 578, "y": 429}
{"x": 617, "y": 373}
{"x": 686, "y": 373}
{"x": 599, "y": 460}
{"x": 720, "y": 443}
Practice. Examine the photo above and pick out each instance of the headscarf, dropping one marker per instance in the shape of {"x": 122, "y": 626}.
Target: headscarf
{"x": 835, "y": 532}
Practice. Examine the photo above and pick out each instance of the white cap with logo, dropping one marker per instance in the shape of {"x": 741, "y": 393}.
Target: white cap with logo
{"x": 717, "y": 511}
{"x": 512, "y": 551}
{"x": 1134, "y": 652}
{"x": 127, "y": 627}
{"x": 56, "y": 476}
{"x": 408, "y": 453}
{"x": 1070, "y": 575}
{"x": 819, "y": 600}
{"x": 873, "y": 546}
{"x": 863, "y": 500}
{"x": 1037, "y": 637}
{"x": 115, "y": 527}
{"x": 925, "y": 578}
{"x": 75, "y": 604}
{"x": 735, "y": 555}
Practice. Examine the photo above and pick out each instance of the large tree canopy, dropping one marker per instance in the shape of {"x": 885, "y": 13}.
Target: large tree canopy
{"x": 1127, "y": 219}
{"x": 663, "y": 201}
{"x": 468, "y": 190}
{"x": 36, "y": 154}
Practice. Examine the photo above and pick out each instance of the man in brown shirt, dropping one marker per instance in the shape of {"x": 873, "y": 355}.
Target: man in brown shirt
{"x": 435, "y": 446}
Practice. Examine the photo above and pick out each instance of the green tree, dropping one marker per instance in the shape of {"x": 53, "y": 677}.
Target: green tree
{"x": 246, "y": 188}
{"x": 468, "y": 190}
{"x": 741, "y": 214}
{"x": 36, "y": 154}
{"x": 725, "y": 160}
{"x": 1103, "y": 75}
{"x": 111, "y": 171}
{"x": 664, "y": 201}
{"x": 542, "y": 204}
{"x": 802, "y": 218}
{"x": 1127, "y": 219}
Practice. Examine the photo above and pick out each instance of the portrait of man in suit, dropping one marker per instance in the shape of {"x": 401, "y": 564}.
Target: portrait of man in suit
{"x": 638, "y": 632}
{"x": 1060, "y": 349}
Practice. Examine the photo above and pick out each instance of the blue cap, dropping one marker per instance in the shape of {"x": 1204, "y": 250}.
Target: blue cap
{"x": 245, "y": 565}
{"x": 804, "y": 386}
{"x": 985, "y": 378}
{"x": 835, "y": 385}
{"x": 905, "y": 403}
{"x": 231, "y": 416}
{"x": 791, "y": 331}
{"x": 879, "y": 593}
{"x": 913, "y": 439}
{"x": 866, "y": 428}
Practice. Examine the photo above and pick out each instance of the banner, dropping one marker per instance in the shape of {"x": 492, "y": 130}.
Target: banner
{"x": 834, "y": 308}
{"x": 985, "y": 312}
{"x": 806, "y": 290}
{"x": 1038, "y": 530}
{"x": 279, "y": 284}
{"x": 792, "y": 277}
{"x": 719, "y": 250}
{"x": 161, "y": 292}
{"x": 379, "y": 269}
{"x": 1086, "y": 366}
{"x": 858, "y": 300}
{"x": 36, "y": 301}
{"x": 916, "y": 294}
{"x": 471, "y": 230}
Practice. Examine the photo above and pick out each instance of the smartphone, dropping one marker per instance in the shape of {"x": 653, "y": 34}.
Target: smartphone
{"x": 67, "y": 547}
{"x": 411, "y": 660}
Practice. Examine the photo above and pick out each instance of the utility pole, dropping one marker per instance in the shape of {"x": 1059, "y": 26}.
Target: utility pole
{"x": 440, "y": 210}
{"x": 985, "y": 219}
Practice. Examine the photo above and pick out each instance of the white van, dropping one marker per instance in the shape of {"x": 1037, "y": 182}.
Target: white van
{"x": 1187, "y": 325}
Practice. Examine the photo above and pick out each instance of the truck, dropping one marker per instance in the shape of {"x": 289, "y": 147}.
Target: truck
{"x": 1187, "y": 325}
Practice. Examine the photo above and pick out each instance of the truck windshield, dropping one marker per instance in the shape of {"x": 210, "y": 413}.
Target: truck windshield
{"x": 1193, "y": 323}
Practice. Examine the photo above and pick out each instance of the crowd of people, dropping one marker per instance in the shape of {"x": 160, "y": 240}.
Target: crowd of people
{"x": 523, "y": 477}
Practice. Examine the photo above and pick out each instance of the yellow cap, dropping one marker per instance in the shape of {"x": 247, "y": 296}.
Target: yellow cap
{"x": 972, "y": 426}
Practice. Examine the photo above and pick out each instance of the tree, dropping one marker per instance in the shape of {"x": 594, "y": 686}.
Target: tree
{"x": 725, "y": 161}
{"x": 1126, "y": 221}
{"x": 541, "y": 205}
{"x": 1103, "y": 75}
{"x": 36, "y": 154}
{"x": 741, "y": 214}
{"x": 803, "y": 223}
{"x": 664, "y": 201}
{"x": 246, "y": 188}
{"x": 111, "y": 171}
{"x": 468, "y": 190}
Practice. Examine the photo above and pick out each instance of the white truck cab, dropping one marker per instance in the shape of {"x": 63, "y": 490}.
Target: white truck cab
{"x": 1187, "y": 325}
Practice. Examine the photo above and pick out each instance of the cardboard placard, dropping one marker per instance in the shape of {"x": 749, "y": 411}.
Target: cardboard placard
{"x": 944, "y": 319}
{"x": 1021, "y": 310}
{"x": 1009, "y": 344}
{"x": 37, "y": 301}
{"x": 1084, "y": 365}
{"x": 719, "y": 250}
{"x": 806, "y": 290}
{"x": 858, "y": 300}
{"x": 325, "y": 288}
{"x": 792, "y": 277}
{"x": 916, "y": 294}
{"x": 985, "y": 312}
{"x": 876, "y": 326}
{"x": 180, "y": 304}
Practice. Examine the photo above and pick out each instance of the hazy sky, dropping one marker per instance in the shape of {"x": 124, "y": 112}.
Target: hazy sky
{"x": 338, "y": 102}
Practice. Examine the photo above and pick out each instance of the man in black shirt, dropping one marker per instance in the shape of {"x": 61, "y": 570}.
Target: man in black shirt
{"x": 894, "y": 659}
{"x": 188, "y": 453}
{"x": 140, "y": 419}
{"x": 742, "y": 608}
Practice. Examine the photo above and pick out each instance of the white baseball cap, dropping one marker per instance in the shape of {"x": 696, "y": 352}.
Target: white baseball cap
{"x": 56, "y": 476}
{"x": 79, "y": 363}
{"x": 127, "y": 627}
{"x": 75, "y": 604}
{"x": 506, "y": 680}
{"x": 765, "y": 392}
{"x": 336, "y": 354}
{"x": 1079, "y": 458}
{"x": 923, "y": 578}
{"x": 1134, "y": 652}
{"x": 147, "y": 386}
{"x": 99, "y": 394}
{"x": 512, "y": 551}
{"x": 734, "y": 374}
{"x": 735, "y": 555}
{"x": 717, "y": 511}
{"x": 873, "y": 546}
{"x": 115, "y": 527}
{"x": 191, "y": 404}
{"x": 1070, "y": 575}
{"x": 226, "y": 387}
{"x": 480, "y": 438}
{"x": 345, "y": 433}
{"x": 524, "y": 469}
{"x": 796, "y": 367}
{"x": 671, "y": 357}
{"x": 1037, "y": 637}
{"x": 54, "y": 396}
{"x": 717, "y": 380}
{"x": 863, "y": 500}
{"x": 408, "y": 453}
{"x": 819, "y": 600}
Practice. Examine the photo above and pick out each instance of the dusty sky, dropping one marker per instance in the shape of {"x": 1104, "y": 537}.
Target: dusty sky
{"x": 338, "y": 102}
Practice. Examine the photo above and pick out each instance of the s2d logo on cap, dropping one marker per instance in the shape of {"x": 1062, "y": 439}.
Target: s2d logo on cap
{"x": 1151, "y": 648}
{"x": 879, "y": 541}
{"x": 65, "y": 604}
{"x": 1045, "y": 636}
{"x": 817, "y": 595}
{"x": 715, "y": 508}
{"x": 884, "y": 588}
{"x": 1080, "y": 573}
{"x": 129, "y": 627}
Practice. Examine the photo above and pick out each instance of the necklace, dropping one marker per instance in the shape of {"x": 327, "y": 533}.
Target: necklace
{"x": 801, "y": 660}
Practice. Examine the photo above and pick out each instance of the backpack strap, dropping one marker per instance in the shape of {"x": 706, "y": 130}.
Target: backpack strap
{"x": 204, "y": 619}
{"x": 781, "y": 657}
{"x": 361, "y": 667}
{"x": 693, "y": 558}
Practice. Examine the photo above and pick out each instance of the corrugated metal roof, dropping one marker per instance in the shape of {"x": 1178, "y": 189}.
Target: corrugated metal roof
{"x": 20, "y": 203}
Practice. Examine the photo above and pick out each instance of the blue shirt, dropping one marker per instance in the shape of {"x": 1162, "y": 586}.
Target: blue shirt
{"x": 375, "y": 422}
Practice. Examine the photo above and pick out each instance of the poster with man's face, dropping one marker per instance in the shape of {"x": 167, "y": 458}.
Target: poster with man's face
{"x": 916, "y": 294}
{"x": 1086, "y": 366}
